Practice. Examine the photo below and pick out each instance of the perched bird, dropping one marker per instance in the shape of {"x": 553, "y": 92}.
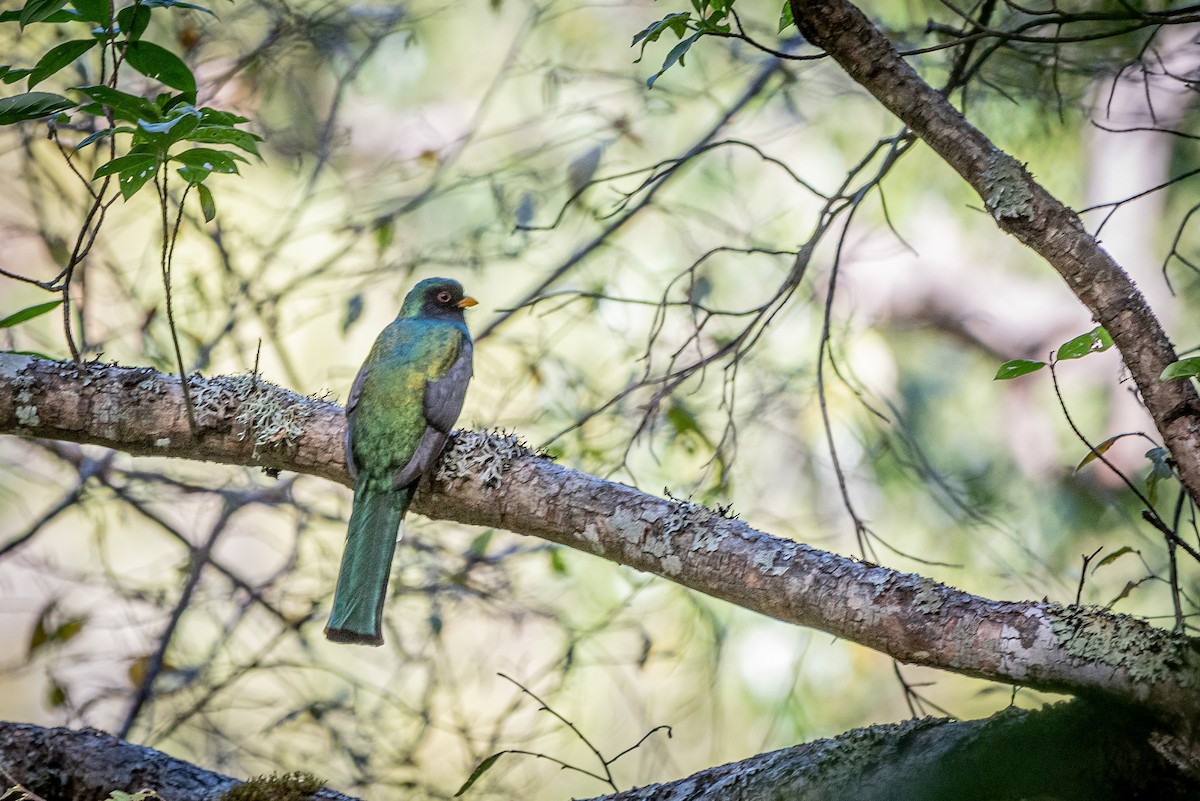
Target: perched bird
{"x": 402, "y": 406}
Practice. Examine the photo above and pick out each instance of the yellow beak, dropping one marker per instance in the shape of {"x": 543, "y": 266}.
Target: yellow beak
{"x": 467, "y": 302}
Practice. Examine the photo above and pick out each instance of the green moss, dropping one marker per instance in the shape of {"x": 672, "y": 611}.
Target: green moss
{"x": 298, "y": 786}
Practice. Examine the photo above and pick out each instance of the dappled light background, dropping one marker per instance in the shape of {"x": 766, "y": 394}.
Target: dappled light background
{"x": 659, "y": 273}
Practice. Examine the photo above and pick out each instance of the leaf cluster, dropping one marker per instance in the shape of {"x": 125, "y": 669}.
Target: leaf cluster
{"x": 707, "y": 17}
{"x": 164, "y": 129}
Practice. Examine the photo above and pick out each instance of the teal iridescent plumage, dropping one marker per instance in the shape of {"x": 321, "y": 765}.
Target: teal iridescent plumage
{"x": 404, "y": 402}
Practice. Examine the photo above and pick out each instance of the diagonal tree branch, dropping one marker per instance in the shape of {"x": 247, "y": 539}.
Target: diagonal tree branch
{"x": 1023, "y": 208}
{"x": 492, "y": 480}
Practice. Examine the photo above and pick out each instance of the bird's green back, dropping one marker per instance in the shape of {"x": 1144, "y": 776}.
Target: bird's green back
{"x": 389, "y": 417}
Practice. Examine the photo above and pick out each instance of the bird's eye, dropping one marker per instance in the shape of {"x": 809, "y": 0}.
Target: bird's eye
{"x": 444, "y": 296}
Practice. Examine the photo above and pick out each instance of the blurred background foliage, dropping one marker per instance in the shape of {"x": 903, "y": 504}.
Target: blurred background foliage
{"x": 515, "y": 146}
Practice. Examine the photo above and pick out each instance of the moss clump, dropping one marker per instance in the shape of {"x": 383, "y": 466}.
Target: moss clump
{"x": 298, "y": 786}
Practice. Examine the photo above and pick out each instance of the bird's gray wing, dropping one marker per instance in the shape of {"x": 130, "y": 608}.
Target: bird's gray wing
{"x": 351, "y": 405}
{"x": 444, "y": 397}
{"x": 443, "y": 401}
{"x": 431, "y": 444}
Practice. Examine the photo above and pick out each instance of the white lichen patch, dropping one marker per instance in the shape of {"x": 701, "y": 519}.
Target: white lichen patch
{"x": 107, "y": 411}
{"x": 485, "y": 456}
{"x": 27, "y": 416}
{"x": 271, "y": 422}
{"x": 591, "y": 535}
{"x": 152, "y": 384}
{"x": 264, "y": 412}
{"x": 928, "y": 598}
{"x": 1006, "y": 191}
{"x": 629, "y": 527}
{"x": 774, "y": 561}
{"x": 1121, "y": 641}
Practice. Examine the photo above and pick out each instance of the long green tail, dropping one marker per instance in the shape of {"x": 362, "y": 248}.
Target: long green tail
{"x": 357, "y": 611}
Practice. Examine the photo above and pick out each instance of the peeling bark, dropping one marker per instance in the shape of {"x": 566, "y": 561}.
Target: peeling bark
{"x": 1023, "y": 208}
{"x": 492, "y": 480}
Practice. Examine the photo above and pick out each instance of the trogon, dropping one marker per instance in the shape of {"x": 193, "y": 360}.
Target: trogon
{"x": 405, "y": 399}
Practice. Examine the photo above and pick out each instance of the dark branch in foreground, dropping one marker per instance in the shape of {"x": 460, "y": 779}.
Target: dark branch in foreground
{"x": 1074, "y": 750}
{"x": 88, "y": 765}
{"x": 1067, "y": 751}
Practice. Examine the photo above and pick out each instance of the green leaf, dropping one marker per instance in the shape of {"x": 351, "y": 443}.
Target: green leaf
{"x": 213, "y": 135}
{"x": 183, "y": 121}
{"x": 1184, "y": 368}
{"x": 207, "y": 205}
{"x": 1098, "y": 451}
{"x": 208, "y": 160}
{"x": 211, "y": 116}
{"x": 58, "y": 17}
{"x": 479, "y": 545}
{"x": 31, "y": 106}
{"x": 677, "y": 53}
{"x": 1160, "y": 468}
{"x": 176, "y": 4}
{"x": 1017, "y": 367}
{"x": 785, "y": 17}
{"x": 133, "y": 161}
{"x": 134, "y": 20}
{"x": 92, "y": 10}
{"x": 56, "y": 695}
{"x": 13, "y": 74}
{"x": 43, "y": 635}
{"x": 676, "y": 22}
{"x": 16, "y": 318}
{"x": 162, "y": 65}
{"x": 58, "y": 57}
{"x": 132, "y": 171}
{"x": 558, "y": 564}
{"x": 96, "y": 136}
{"x": 39, "y": 10}
{"x": 483, "y": 768}
{"x": 384, "y": 229}
{"x": 354, "y": 310}
{"x": 1112, "y": 557}
{"x": 1095, "y": 341}
{"x": 125, "y": 106}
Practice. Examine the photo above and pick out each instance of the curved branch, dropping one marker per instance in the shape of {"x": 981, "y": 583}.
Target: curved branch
{"x": 492, "y": 480}
{"x": 1070, "y": 750}
{"x": 1065, "y": 751}
{"x": 1023, "y": 208}
{"x": 88, "y": 765}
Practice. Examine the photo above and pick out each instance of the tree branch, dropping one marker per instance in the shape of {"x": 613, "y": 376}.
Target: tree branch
{"x": 1023, "y": 208}
{"x": 492, "y": 480}
{"x": 1073, "y": 750}
{"x": 1070, "y": 750}
{"x": 88, "y": 765}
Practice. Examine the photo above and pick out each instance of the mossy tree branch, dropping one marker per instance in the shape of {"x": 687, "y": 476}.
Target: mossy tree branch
{"x": 491, "y": 480}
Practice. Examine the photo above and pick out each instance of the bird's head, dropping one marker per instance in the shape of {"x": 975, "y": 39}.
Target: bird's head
{"x": 437, "y": 297}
